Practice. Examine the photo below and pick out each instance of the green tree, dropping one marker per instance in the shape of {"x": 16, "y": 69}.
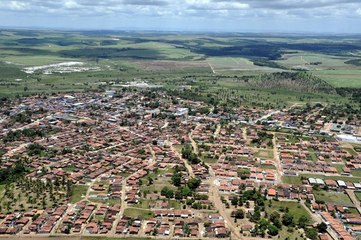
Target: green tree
{"x": 193, "y": 183}
{"x": 176, "y": 179}
{"x": 239, "y": 214}
{"x": 167, "y": 192}
{"x": 287, "y": 219}
{"x": 311, "y": 233}
{"x": 303, "y": 221}
{"x": 322, "y": 227}
{"x": 234, "y": 201}
{"x": 272, "y": 230}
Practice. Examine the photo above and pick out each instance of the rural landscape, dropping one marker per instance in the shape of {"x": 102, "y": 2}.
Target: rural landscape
{"x": 148, "y": 135}
{"x": 180, "y": 119}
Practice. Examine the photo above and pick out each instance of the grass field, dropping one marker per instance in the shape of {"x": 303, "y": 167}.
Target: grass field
{"x": 341, "y": 78}
{"x": 295, "y": 208}
{"x": 110, "y": 238}
{"x": 220, "y": 64}
{"x": 2, "y": 188}
{"x": 344, "y": 178}
{"x": 314, "y": 61}
{"x": 78, "y": 193}
{"x": 264, "y": 154}
{"x": 338, "y": 198}
{"x": 358, "y": 195}
{"x": 136, "y": 212}
{"x": 175, "y": 60}
{"x": 295, "y": 180}
{"x": 338, "y": 167}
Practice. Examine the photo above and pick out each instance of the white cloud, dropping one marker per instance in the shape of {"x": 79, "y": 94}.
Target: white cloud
{"x": 14, "y": 5}
{"x": 230, "y": 11}
{"x": 358, "y": 11}
{"x": 70, "y": 4}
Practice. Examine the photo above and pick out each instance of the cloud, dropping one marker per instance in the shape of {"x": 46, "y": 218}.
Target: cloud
{"x": 146, "y": 2}
{"x": 14, "y": 5}
{"x": 358, "y": 11}
{"x": 171, "y": 11}
{"x": 178, "y": 5}
{"x": 214, "y": 5}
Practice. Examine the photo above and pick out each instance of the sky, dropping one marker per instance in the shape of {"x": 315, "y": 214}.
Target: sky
{"x": 264, "y": 16}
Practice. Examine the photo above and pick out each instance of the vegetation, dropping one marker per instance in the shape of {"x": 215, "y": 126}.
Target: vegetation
{"x": 12, "y": 173}
{"x": 26, "y": 194}
{"x": 187, "y": 153}
{"x": 78, "y": 192}
{"x": 224, "y": 71}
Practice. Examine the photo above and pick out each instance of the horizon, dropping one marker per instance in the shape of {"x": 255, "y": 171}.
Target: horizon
{"x": 186, "y": 32}
{"x": 257, "y": 16}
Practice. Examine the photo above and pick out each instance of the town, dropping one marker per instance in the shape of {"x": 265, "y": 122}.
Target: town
{"x": 141, "y": 163}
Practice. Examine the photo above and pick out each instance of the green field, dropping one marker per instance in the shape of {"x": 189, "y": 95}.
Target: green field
{"x": 221, "y": 64}
{"x": 358, "y": 195}
{"x": 230, "y": 69}
{"x": 2, "y": 188}
{"x": 136, "y": 212}
{"x": 78, "y": 192}
{"x": 320, "y": 61}
{"x": 295, "y": 208}
{"x": 337, "y": 198}
{"x": 341, "y": 78}
{"x": 291, "y": 180}
{"x": 110, "y": 238}
{"x": 343, "y": 178}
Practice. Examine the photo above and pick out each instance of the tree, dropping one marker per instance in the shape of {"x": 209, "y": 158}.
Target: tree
{"x": 193, "y": 183}
{"x": 167, "y": 192}
{"x": 275, "y": 219}
{"x": 239, "y": 214}
{"x": 287, "y": 219}
{"x": 322, "y": 227}
{"x": 256, "y": 216}
{"x": 311, "y": 233}
{"x": 234, "y": 201}
{"x": 176, "y": 179}
{"x": 186, "y": 191}
{"x": 273, "y": 216}
{"x": 303, "y": 221}
{"x": 188, "y": 154}
{"x": 272, "y": 230}
{"x": 150, "y": 180}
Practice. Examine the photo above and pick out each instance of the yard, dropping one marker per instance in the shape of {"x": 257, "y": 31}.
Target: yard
{"x": 136, "y": 212}
{"x": 337, "y": 198}
{"x": 78, "y": 193}
{"x": 264, "y": 154}
{"x": 108, "y": 238}
{"x": 358, "y": 195}
{"x": 295, "y": 180}
{"x": 295, "y": 209}
{"x": 343, "y": 178}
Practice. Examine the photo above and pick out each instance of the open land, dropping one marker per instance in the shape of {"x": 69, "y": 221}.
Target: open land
{"x": 107, "y": 135}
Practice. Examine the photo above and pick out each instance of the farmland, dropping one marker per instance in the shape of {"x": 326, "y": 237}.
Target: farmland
{"x": 226, "y": 67}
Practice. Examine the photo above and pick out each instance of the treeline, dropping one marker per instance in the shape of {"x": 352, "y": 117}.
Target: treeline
{"x": 353, "y": 93}
{"x": 12, "y": 173}
{"x": 297, "y": 81}
{"x": 355, "y": 62}
{"x": 187, "y": 153}
{"x": 18, "y": 134}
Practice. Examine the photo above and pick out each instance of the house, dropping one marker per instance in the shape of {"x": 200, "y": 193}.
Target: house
{"x": 271, "y": 192}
